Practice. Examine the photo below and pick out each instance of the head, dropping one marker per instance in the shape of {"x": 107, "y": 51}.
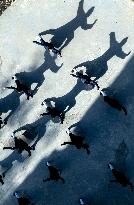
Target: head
{"x": 110, "y": 166}
{"x": 16, "y": 195}
{"x": 14, "y": 77}
{"x": 103, "y": 93}
{"x": 48, "y": 164}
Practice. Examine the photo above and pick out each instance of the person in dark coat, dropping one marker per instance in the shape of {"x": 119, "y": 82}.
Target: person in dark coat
{"x": 22, "y": 200}
{"x": 40, "y": 41}
{"x": 20, "y": 145}
{"x": 120, "y": 177}
{"x": 54, "y": 174}
{"x": 113, "y": 102}
{"x": 77, "y": 141}
{"x": 84, "y": 78}
{"x": 21, "y": 87}
{"x": 54, "y": 112}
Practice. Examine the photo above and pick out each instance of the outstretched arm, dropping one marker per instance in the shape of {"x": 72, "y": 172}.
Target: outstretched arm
{"x": 50, "y": 31}
{"x": 45, "y": 113}
{"x": 67, "y": 143}
{"x": 13, "y": 148}
{"x": 38, "y": 43}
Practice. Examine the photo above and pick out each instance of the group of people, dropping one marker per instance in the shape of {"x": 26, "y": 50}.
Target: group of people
{"x": 75, "y": 140}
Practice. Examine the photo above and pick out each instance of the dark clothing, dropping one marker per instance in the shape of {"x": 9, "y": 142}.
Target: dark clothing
{"x": 54, "y": 113}
{"x": 1, "y": 179}
{"x": 23, "y": 201}
{"x": 87, "y": 79}
{"x": 78, "y": 142}
{"x": 115, "y": 104}
{"x": 121, "y": 178}
{"x": 1, "y": 122}
{"x": 54, "y": 175}
{"x": 50, "y": 46}
{"x": 20, "y": 145}
{"x": 21, "y": 88}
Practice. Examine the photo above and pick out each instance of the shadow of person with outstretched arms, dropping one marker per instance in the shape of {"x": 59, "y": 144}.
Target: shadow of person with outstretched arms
{"x": 63, "y": 35}
{"x": 37, "y": 76}
{"x": 98, "y": 67}
{"x": 9, "y": 103}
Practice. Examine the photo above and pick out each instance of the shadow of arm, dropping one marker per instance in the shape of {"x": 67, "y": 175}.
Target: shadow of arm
{"x": 50, "y": 31}
{"x": 88, "y": 26}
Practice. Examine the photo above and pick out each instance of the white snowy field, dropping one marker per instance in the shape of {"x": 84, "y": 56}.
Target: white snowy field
{"x": 101, "y": 46}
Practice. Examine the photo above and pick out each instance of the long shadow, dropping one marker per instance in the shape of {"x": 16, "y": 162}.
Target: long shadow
{"x": 89, "y": 175}
{"x": 37, "y": 76}
{"x": 63, "y": 35}
{"x": 98, "y": 67}
{"x": 9, "y": 103}
{"x": 67, "y": 101}
{"x": 33, "y": 133}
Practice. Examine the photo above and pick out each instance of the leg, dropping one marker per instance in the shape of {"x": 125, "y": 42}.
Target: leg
{"x": 28, "y": 150}
{"x": 124, "y": 109}
{"x": 62, "y": 117}
{"x": 62, "y": 180}
{"x": 1, "y": 181}
{"x": 47, "y": 179}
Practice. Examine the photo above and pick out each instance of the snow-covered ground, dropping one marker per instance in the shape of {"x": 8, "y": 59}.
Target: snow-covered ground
{"x": 98, "y": 46}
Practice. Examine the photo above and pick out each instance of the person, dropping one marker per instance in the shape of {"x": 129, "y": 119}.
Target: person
{"x": 120, "y": 177}
{"x": 40, "y": 41}
{"x": 22, "y": 200}
{"x": 21, "y": 88}
{"x": 20, "y": 145}
{"x": 1, "y": 178}
{"x": 84, "y": 78}
{"x": 53, "y": 112}
{"x": 54, "y": 174}
{"x": 77, "y": 141}
{"x": 113, "y": 102}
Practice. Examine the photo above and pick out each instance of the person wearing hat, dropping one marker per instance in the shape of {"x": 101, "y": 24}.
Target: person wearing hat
{"x": 113, "y": 102}
{"x": 77, "y": 141}
{"x": 120, "y": 177}
{"x": 54, "y": 174}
